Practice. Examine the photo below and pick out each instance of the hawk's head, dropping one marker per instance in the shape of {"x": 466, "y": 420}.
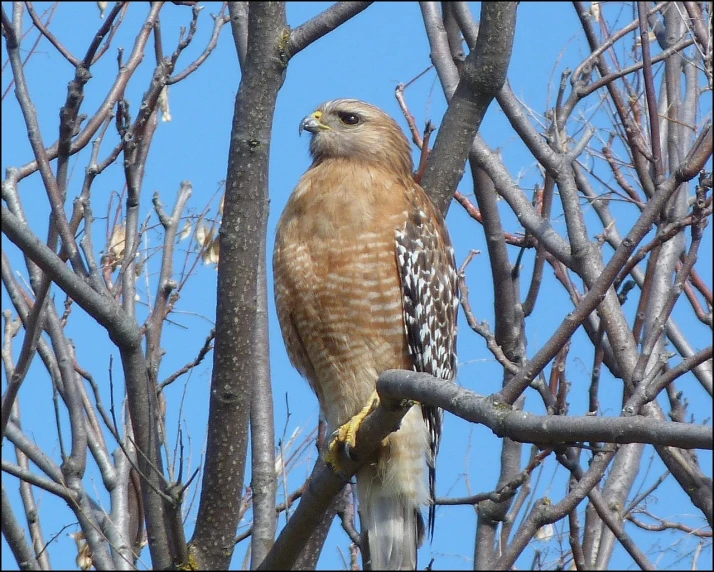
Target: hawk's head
{"x": 358, "y": 131}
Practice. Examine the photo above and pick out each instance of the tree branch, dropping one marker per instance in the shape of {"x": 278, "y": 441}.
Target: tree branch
{"x": 599, "y": 288}
{"x": 540, "y": 429}
{"x": 482, "y": 76}
{"x": 324, "y": 484}
{"x": 322, "y": 24}
{"x": 243, "y": 238}
{"x": 15, "y": 536}
{"x": 262, "y": 431}
{"x": 239, "y": 26}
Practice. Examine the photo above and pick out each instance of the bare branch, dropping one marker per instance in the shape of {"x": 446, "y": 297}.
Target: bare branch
{"x": 262, "y": 431}
{"x": 122, "y": 329}
{"x": 50, "y": 36}
{"x": 609, "y": 518}
{"x": 543, "y": 430}
{"x": 544, "y": 512}
{"x": 219, "y": 21}
{"x": 324, "y": 484}
{"x": 322, "y": 24}
{"x": 482, "y": 76}
{"x": 239, "y": 25}
{"x": 243, "y": 239}
{"x": 481, "y": 328}
{"x": 650, "y": 92}
{"x": 14, "y": 534}
{"x": 597, "y": 290}
{"x": 115, "y": 93}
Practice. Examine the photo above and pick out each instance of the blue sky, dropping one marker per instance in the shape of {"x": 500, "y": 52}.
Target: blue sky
{"x": 365, "y": 59}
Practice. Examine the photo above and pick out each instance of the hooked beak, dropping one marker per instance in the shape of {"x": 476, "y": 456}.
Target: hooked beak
{"x": 312, "y": 123}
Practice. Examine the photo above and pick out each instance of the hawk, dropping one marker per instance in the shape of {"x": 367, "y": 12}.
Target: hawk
{"x": 365, "y": 281}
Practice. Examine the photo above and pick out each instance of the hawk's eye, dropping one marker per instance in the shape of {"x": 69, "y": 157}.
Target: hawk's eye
{"x": 348, "y": 118}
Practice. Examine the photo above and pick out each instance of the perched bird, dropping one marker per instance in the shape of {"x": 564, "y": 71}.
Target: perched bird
{"x": 365, "y": 281}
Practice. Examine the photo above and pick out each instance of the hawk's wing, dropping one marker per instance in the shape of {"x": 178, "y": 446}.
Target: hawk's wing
{"x": 430, "y": 297}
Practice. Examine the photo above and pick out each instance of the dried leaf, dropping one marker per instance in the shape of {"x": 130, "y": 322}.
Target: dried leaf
{"x": 206, "y": 256}
{"x": 117, "y": 242}
{"x": 84, "y": 553}
{"x": 200, "y": 232}
{"x": 186, "y": 231}
{"x": 209, "y": 237}
{"x": 164, "y": 104}
{"x": 544, "y": 533}
{"x": 651, "y": 37}
{"x": 215, "y": 250}
{"x": 139, "y": 266}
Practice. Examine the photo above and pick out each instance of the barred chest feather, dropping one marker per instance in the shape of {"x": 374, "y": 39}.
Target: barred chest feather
{"x": 337, "y": 283}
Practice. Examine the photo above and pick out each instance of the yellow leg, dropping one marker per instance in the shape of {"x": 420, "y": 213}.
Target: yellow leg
{"x": 346, "y": 435}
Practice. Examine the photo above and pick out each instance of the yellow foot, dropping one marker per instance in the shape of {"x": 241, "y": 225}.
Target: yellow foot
{"x": 346, "y": 435}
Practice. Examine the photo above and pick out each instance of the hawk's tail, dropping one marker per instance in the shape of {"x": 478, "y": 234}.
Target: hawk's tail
{"x": 392, "y": 531}
{"x": 391, "y": 493}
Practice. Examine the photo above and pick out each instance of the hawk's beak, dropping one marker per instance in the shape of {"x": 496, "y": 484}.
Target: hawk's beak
{"x": 312, "y": 123}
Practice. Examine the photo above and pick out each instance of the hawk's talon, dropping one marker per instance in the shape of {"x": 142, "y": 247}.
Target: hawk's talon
{"x": 346, "y": 437}
{"x": 331, "y": 457}
{"x": 348, "y": 451}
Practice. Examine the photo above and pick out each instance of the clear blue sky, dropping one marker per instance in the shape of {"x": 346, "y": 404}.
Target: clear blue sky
{"x": 365, "y": 59}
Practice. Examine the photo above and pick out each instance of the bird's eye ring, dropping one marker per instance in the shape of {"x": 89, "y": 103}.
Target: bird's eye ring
{"x": 348, "y": 118}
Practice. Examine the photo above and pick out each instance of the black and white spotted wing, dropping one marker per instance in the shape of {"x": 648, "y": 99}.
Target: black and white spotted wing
{"x": 430, "y": 297}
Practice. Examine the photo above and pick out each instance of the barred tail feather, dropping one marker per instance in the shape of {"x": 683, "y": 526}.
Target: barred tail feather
{"x": 392, "y": 531}
{"x": 391, "y": 492}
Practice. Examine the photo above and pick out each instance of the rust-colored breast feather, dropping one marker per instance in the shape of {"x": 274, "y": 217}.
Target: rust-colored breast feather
{"x": 337, "y": 285}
